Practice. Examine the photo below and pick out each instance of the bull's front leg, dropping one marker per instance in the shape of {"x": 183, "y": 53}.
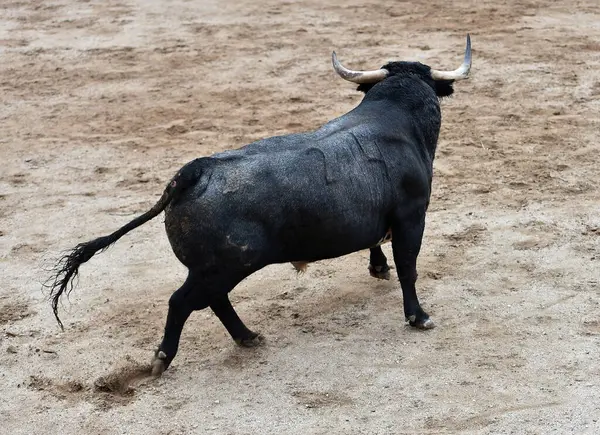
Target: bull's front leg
{"x": 378, "y": 267}
{"x": 407, "y": 234}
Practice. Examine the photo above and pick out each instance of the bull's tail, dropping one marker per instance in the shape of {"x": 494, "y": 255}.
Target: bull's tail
{"x": 67, "y": 267}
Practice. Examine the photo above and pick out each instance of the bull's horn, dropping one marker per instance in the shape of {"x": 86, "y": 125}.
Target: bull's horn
{"x": 358, "y": 76}
{"x": 461, "y": 72}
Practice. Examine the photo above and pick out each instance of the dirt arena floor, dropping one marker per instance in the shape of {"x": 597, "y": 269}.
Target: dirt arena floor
{"x": 102, "y": 101}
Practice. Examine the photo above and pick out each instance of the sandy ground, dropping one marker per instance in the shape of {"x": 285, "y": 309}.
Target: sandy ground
{"x": 102, "y": 101}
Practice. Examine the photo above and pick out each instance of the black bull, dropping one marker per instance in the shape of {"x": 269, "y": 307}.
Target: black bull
{"x": 299, "y": 198}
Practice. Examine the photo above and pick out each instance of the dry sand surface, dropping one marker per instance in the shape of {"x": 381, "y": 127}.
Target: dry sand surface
{"x": 102, "y": 101}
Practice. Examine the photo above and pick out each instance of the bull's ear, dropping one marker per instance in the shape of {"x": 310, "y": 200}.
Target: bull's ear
{"x": 365, "y": 87}
{"x": 443, "y": 88}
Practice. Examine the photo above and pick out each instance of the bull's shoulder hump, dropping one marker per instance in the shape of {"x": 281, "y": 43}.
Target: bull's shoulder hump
{"x": 277, "y": 144}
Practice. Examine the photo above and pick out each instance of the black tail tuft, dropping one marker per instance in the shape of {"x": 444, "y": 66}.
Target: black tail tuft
{"x": 67, "y": 268}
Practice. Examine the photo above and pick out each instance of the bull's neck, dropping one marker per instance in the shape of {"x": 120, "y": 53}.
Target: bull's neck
{"x": 420, "y": 119}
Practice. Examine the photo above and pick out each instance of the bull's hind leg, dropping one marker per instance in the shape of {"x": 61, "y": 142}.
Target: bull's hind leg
{"x": 406, "y": 244}
{"x": 196, "y": 294}
{"x": 189, "y": 297}
{"x": 378, "y": 267}
{"x": 223, "y": 309}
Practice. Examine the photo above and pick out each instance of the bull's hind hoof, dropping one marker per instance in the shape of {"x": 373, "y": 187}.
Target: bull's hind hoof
{"x": 250, "y": 341}
{"x": 421, "y": 323}
{"x": 159, "y": 363}
{"x": 380, "y": 272}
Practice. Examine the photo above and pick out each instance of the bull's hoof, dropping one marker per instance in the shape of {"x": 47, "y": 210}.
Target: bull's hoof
{"x": 159, "y": 363}
{"x": 250, "y": 341}
{"x": 380, "y": 272}
{"x": 426, "y": 323}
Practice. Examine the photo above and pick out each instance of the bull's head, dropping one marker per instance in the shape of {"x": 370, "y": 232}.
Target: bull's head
{"x": 442, "y": 79}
